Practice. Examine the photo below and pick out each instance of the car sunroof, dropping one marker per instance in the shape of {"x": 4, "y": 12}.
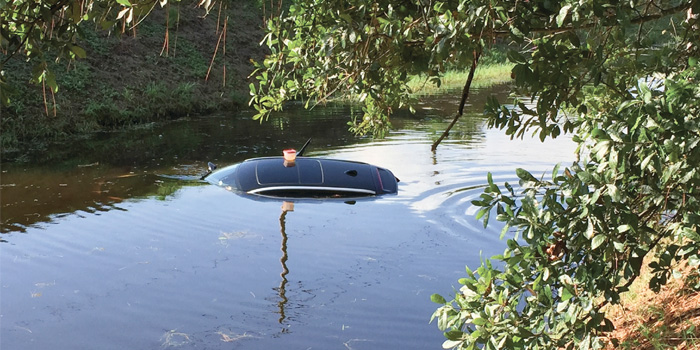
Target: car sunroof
{"x": 274, "y": 171}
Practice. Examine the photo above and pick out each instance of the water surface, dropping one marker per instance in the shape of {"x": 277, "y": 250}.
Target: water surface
{"x": 114, "y": 243}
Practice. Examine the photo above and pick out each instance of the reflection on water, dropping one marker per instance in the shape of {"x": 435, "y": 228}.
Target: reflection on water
{"x": 99, "y": 173}
{"x": 286, "y": 207}
{"x": 115, "y": 243}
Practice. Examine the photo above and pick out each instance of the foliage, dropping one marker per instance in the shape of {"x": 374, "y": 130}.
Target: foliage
{"x": 366, "y": 50}
{"x": 46, "y": 30}
{"x": 622, "y": 77}
{"x": 108, "y": 89}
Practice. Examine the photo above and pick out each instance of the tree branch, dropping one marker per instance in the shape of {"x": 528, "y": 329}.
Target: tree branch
{"x": 639, "y": 20}
{"x": 53, "y": 9}
{"x": 465, "y": 94}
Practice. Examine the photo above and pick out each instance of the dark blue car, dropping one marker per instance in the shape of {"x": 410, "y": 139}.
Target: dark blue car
{"x": 305, "y": 177}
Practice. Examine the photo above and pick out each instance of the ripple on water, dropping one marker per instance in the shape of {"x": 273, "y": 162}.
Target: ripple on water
{"x": 441, "y": 185}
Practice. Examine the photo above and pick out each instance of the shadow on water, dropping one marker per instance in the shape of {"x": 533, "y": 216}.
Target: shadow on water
{"x": 99, "y": 173}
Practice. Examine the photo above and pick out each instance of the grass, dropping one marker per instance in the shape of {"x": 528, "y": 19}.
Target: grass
{"x": 645, "y": 320}
{"x": 190, "y": 60}
{"x": 485, "y": 76}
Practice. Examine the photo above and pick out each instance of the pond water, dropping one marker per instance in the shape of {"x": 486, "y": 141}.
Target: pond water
{"x": 114, "y": 243}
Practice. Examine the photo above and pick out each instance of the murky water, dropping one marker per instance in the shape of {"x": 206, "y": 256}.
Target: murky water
{"x": 113, "y": 243}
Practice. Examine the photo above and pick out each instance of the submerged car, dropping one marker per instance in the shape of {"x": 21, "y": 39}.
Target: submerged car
{"x": 305, "y": 177}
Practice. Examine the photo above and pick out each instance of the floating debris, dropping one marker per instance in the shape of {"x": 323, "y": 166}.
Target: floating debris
{"x": 45, "y": 284}
{"x": 225, "y": 237}
{"x": 174, "y": 338}
{"x": 233, "y": 337}
{"x": 349, "y": 342}
{"x": 24, "y": 329}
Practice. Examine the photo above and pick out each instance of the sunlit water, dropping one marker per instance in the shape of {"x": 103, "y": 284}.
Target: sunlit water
{"x": 113, "y": 243}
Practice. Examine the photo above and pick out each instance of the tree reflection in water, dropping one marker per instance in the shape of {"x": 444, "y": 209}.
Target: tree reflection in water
{"x": 286, "y": 207}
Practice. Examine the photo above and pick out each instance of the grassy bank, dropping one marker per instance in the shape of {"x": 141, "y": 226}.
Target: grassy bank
{"x": 129, "y": 79}
{"x": 486, "y": 75}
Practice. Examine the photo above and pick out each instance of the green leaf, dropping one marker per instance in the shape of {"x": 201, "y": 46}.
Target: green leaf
{"x": 124, "y": 3}
{"x": 597, "y": 241}
{"x": 555, "y": 171}
{"x": 78, "y": 51}
{"x": 479, "y": 321}
{"x": 524, "y": 175}
{"x": 566, "y": 294}
{"x": 613, "y": 192}
{"x": 562, "y": 15}
{"x": 626, "y": 104}
{"x": 482, "y": 212}
{"x": 601, "y": 149}
{"x": 486, "y": 218}
{"x": 694, "y": 260}
{"x": 454, "y": 334}
{"x": 346, "y": 17}
{"x": 585, "y": 176}
{"x": 504, "y": 231}
{"x": 620, "y": 247}
{"x": 516, "y": 57}
{"x": 517, "y": 33}
{"x": 449, "y": 344}
{"x": 590, "y": 229}
{"x": 51, "y": 81}
{"x": 438, "y": 299}
{"x": 646, "y": 161}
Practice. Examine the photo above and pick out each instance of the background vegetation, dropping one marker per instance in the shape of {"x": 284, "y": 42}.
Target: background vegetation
{"x": 174, "y": 64}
